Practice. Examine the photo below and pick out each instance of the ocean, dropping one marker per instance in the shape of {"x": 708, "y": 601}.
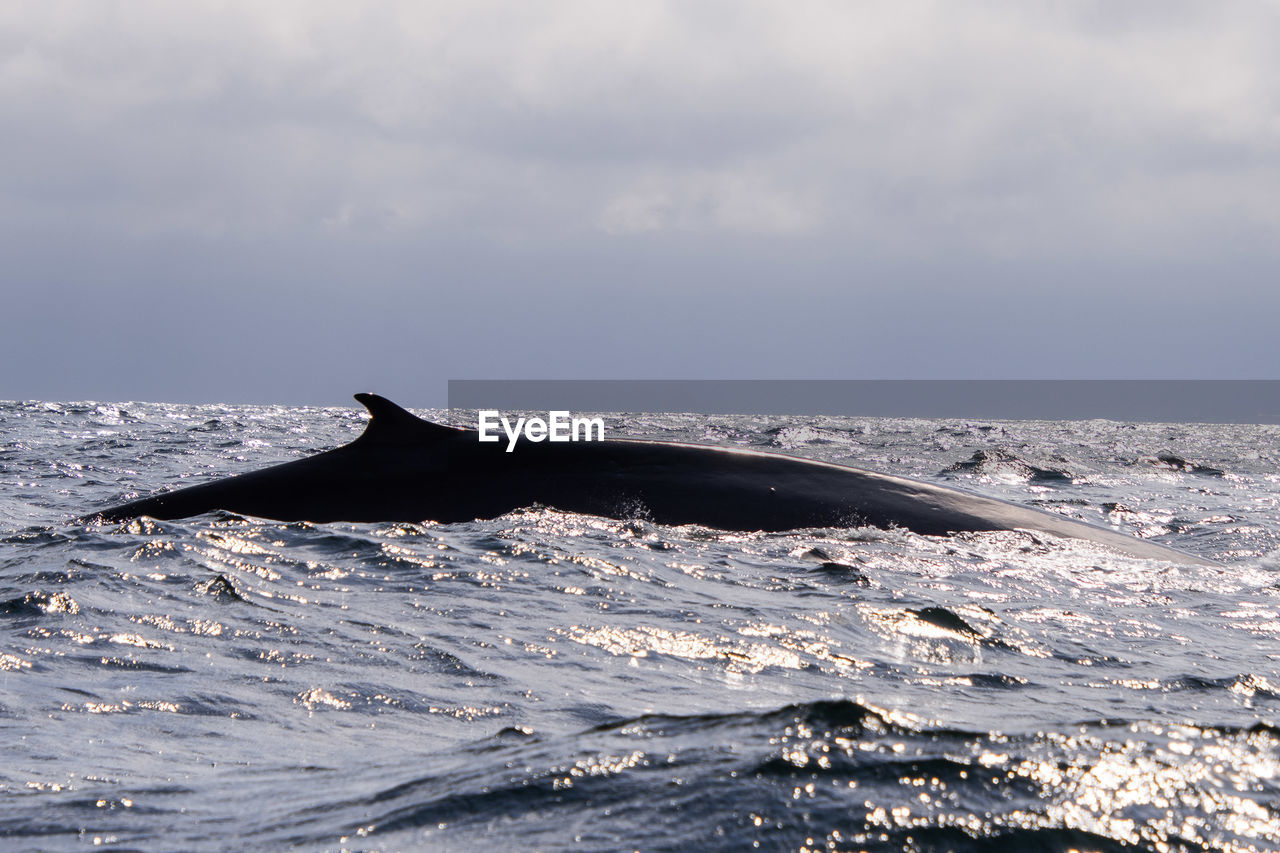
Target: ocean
{"x": 552, "y": 681}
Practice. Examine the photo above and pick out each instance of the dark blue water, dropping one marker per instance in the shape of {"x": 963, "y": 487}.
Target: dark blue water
{"x": 553, "y": 681}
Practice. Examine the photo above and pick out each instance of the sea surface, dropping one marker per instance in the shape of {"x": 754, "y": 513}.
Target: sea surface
{"x": 551, "y": 681}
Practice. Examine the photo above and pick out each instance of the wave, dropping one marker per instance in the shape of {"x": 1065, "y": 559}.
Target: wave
{"x": 829, "y": 774}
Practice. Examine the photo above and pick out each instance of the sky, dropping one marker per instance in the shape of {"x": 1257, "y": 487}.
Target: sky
{"x": 292, "y": 201}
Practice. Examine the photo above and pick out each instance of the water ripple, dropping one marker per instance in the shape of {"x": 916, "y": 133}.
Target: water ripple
{"x": 548, "y": 680}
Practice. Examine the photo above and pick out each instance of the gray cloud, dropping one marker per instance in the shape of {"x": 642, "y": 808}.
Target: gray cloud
{"x": 683, "y": 189}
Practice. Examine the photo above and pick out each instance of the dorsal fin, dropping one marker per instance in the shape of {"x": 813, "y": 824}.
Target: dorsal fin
{"x": 390, "y": 424}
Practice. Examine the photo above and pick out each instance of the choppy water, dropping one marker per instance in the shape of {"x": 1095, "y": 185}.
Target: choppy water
{"x": 554, "y": 681}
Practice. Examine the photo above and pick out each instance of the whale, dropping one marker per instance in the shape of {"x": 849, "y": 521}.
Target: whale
{"x": 403, "y": 468}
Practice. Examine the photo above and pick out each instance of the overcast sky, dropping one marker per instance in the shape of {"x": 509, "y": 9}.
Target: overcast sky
{"x": 292, "y": 201}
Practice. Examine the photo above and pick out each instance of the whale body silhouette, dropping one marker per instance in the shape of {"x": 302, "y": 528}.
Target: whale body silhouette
{"x": 403, "y": 468}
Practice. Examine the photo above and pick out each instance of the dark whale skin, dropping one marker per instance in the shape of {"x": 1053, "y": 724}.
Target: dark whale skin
{"x": 403, "y": 468}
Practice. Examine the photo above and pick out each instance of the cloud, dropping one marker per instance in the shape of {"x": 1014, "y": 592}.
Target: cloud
{"x": 300, "y": 145}
{"x": 865, "y": 122}
{"x": 734, "y": 201}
